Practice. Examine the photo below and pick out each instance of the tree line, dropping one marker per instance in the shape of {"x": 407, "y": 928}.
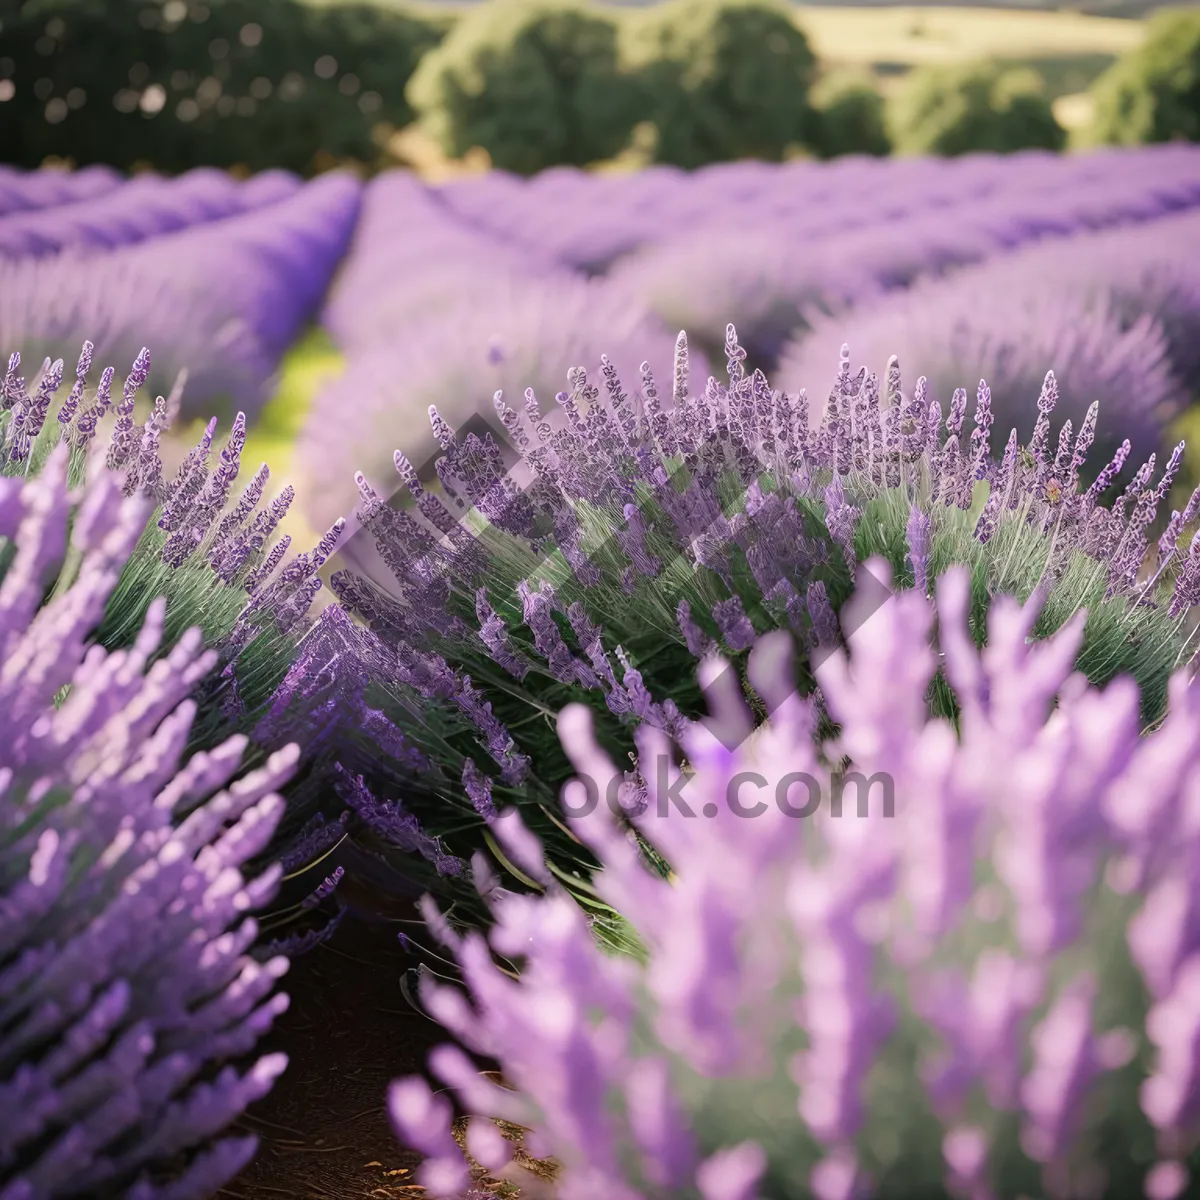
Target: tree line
{"x": 259, "y": 84}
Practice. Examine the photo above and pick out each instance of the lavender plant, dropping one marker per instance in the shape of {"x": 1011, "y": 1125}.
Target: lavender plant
{"x": 141, "y": 209}
{"x": 281, "y": 676}
{"x": 126, "y": 991}
{"x": 630, "y": 538}
{"x": 212, "y": 559}
{"x": 986, "y": 988}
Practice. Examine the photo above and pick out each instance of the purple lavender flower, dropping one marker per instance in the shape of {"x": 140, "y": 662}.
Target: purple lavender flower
{"x": 780, "y": 932}
{"x": 124, "y": 973}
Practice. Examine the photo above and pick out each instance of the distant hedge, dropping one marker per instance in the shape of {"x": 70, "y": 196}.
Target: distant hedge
{"x": 976, "y": 107}
{"x": 533, "y": 82}
{"x": 180, "y": 83}
{"x": 722, "y": 79}
{"x": 1153, "y": 93}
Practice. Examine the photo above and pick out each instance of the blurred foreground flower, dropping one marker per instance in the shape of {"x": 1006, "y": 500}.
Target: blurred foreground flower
{"x": 985, "y": 986}
{"x": 124, "y": 975}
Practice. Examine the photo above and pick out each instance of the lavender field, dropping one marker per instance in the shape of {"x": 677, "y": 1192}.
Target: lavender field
{"x": 914, "y": 468}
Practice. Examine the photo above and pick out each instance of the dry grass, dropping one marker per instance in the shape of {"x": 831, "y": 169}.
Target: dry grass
{"x": 916, "y": 36}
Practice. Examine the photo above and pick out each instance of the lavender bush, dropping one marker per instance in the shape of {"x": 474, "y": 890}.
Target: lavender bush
{"x": 975, "y": 997}
{"x": 633, "y": 536}
{"x": 515, "y": 335}
{"x": 215, "y": 560}
{"x": 125, "y": 981}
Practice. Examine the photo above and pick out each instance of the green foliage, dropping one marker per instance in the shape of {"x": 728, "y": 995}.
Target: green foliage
{"x": 724, "y": 79}
{"x": 1153, "y": 94}
{"x": 978, "y": 107}
{"x": 850, "y": 118}
{"x": 533, "y": 82}
{"x": 179, "y": 84}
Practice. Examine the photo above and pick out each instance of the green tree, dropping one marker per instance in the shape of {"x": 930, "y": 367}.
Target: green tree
{"x": 177, "y": 84}
{"x": 850, "y": 118}
{"x": 724, "y": 79}
{"x": 987, "y": 106}
{"x": 533, "y": 82}
{"x": 1153, "y": 94}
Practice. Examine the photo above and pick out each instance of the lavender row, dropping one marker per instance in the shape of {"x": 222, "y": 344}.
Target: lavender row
{"x": 127, "y": 988}
{"x": 772, "y": 270}
{"x": 587, "y": 221}
{"x": 248, "y": 284}
{"x": 412, "y": 256}
{"x": 142, "y": 209}
{"x": 24, "y": 191}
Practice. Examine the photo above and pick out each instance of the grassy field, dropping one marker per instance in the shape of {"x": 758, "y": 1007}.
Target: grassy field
{"x": 914, "y": 36}
{"x": 272, "y": 435}
{"x": 1069, "y": 49}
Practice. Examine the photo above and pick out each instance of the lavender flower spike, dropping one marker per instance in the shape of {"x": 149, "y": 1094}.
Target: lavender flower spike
{"x": 125, "y": 977}
{"x": 918, "y": 534}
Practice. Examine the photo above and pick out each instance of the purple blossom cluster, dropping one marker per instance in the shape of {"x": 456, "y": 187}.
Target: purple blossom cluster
{"x": 126, "y": 986}
{"x": 1117, "y": 312}
{"x": 248, "y": 262}
{"x": 945, "y": 998}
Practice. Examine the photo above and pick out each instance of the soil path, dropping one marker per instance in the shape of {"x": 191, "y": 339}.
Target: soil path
{"x": 348, "y": 1033}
